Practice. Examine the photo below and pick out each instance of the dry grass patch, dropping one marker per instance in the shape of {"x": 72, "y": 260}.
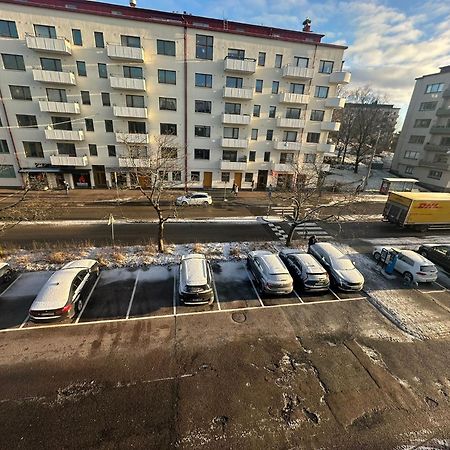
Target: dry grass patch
{"x": 119, "y": 258}
{"x": 58, "y": 257}
{"x": 198, "y": 248}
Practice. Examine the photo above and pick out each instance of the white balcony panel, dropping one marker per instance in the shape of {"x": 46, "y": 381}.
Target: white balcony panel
{"x": 62, "y": 160}
{"x": 330, "y": 126}
{"x": 64, "y": 135}
{"x": 283, "y": 122}
{"x": 53, "y": 77}
{"x": 132, "y": 84}
{"x": 43, "y": 44}
{"x": 59, "y": 107}
{"x": 121, "y": 52}
{"x": 132, "y": 138}
{"x": 234, "y": 143}
{"x": 233, "y": 165}
{"x": 325, "y": 148}
{"x": 299, "y": 73}
{"x": 235, "y": 119}
{"x": 282, "y": 145}
{"x": 340, "y": 77}
{"x": 240, "y": 65}
{"x": 334, "y": 102}
{"x": 125, "y": 111}
{"x": 134, "y": 162}
{"x": 298, "y": 99}
{"x": 288, "y": 167}
{"x": 238, "y": 93}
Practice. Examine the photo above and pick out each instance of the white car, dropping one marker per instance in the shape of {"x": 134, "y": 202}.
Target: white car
{"x": 412, "y": 266}
{"x": 194, "y": 198}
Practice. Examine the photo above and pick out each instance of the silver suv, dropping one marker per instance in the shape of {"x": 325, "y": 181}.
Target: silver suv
{"x": 195, "y": 283}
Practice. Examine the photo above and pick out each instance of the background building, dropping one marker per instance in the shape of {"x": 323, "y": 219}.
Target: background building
{"x": 79, "y": 79}
{"x": 423, "y": 150}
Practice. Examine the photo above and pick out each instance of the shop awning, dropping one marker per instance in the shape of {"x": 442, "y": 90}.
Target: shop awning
{"x": 40, "y": 170}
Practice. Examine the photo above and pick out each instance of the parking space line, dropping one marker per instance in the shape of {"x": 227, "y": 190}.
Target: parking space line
{"x": 334, "y": 293}
{"x": 439, "y": 284}
{"x": 256, "y": 291}
{"x": 431, "y": 292}
{"x": 25, "y": 321}
{"x": 174, "y": 297}
{"x": 216, "y": 295}
{"x": 87, "y": 300}
{"x": 132, "y": 295}
{"x": 298, "y": 296}
{"x": 10, "y": 286}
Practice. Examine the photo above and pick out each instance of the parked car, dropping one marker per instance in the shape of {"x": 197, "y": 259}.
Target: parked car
{"x": 411, "y": 265}
{"x": 194, "y": 198}
{"x": 195, "y": 280}
{"x": 340, "y": 267}
{"x": 6, "y": 273}
{"x": 271, "y": 275}
{"x": 64, "y": 293}
{"x": 438, "y": 254}
{"x": 305, "y": 270}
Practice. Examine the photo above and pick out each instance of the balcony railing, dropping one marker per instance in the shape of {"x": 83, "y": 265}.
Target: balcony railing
{"x": 235, "y": 119}
{"x": 64, "y": 135}
{"x": 134, "y": 162}
{"x": 440, "y": 129}
{"x": 443, "y": 112}
{"x": 284, "y": 145}
{"x": 132, "y": 138}
{"x": 50, "y": 45}
{"x": 334, "y": 102}
{"x": 59, "y": 107}
{"x": 53, "y": 77}
{"x": 132, "y": 84}
{"x": 246, "y": 65}
{"x": 126, "y": 111}
{"x": 298, "y": 99}
{"x": 330, "y": 126}
{"x": 238, "y": 93}
{"x": 123, "y": 53}
{"x": 325, "y": 148}
{"x": 62, "y": 160}
{"x": 310, "y": 147}
{"x": 340, "y": 77}
{"x": 234, "y": 143}
{"x": 437, "y": 148}
{"x": 283, "y": 167}
{"x": 233, "y": 165}
{"x": 434, "y": 164}
{"x": 284, "y": 122}
{"x": 299, "y": 73}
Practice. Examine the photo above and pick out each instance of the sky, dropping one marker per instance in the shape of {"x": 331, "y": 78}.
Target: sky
{"x": 390, "y": 42}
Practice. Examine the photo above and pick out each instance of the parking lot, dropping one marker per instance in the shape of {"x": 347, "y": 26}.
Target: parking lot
{"x": 127, "y": 294}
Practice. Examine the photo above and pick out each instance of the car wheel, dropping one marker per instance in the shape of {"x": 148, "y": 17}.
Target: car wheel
{"x": 408, "y": 278}
{"x": 377, "y": 256}
{"x": 184, "y": 203}
{"x": 424, "y": 253}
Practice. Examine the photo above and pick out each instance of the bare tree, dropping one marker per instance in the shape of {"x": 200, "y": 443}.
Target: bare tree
{"x": 344, "y": 137}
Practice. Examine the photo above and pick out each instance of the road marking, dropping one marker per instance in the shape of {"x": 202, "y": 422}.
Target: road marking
{"x": 215, "y": 294}
{"x": 439, "y": 284}
{"x": 132, "y": 295}
{"x": 10, "y": 286}
{"x": 8, "y": 196}
{"x": 174, "y": 297}
{"x": 298, "y": 296}
{"x": 25, "y": 321}
{"x": 334, "y": 293}
{"x": 256, "y": 291}
{"x": 87, "y": 300}
{"x": 432, "y": 292}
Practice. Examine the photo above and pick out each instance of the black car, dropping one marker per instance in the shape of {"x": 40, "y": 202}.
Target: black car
{"x": 6, "y": 273}
{"x": 437, "y": 253}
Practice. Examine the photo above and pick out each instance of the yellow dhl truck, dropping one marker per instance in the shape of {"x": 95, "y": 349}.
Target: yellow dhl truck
{"x": 419, "y": 210}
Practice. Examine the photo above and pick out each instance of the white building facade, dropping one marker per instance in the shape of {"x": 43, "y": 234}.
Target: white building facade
{"x": 78, "y": 79}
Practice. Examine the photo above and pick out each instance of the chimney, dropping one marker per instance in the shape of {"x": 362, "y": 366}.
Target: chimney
{"x": 307, "y": 24}
{"x": 133, "y": 3}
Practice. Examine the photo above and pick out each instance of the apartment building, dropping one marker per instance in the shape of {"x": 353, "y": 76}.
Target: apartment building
{"x": 423, "y": 149}
{"x": 80, "y": 80}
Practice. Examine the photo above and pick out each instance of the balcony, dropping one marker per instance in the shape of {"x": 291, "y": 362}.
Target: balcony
{"x": 74, "y": 161}
{"x": 64, "y": 135}
{"x": 330, "y": 126}
{"x": 126, "y": 111}
{"x": 340, "y": 77}
{"x": 59, "y": 107}
{"x": 235, "y": 119}
{"x": 298, "y": 73}
{"x": 283, "y": 122}
{"x": 238, "y": 93}
{"x": 131, "y": 84}
{"x": 284, "y": 167}
{"x": 283, "y": 145}
{"x": 437, "y": 148}
{"x": 132, "y": 138}
{"x": 134, "y": 162}
{"x": 310, "y": 147}
{"x": 43, "y": 44}
{"x": 443, "y": 112}
{"x": 247, "y": 65}
{"x": 53, "y": 77}
{"x": 325, "y": 148}
{"x": 435, "y": 165}
{"x": 233, "y": 165}
{"x": 234, "y": 143}
{"x": 334, "y": 102}
{"x": 122, "y": 53}
{"x": 297, "y": 99}
{"x": 440, "y": 129}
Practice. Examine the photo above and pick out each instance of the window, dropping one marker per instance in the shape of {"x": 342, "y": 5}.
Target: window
{"x": 4, "y": 146}
{"x": 258, "y": 85}
{"x": 85, "y": 98}
{"x": 111, "y": 150}
{"x": 234, "y": 82}
{"x": 203, "y": 80}
{"x": 93, "y": 150}
{"x": 195, "y": 176}
{"x": 51, "y": 64}
{"x": 137, "y": 127}
{"x": 135, "y": 101}
{"x": 313, "y": 137}
{"x": 409, "y": 170}
{"x": 411, "y": 155}
{"x": 89, "y": 124}
{"x": 445, "y": 141}
{"x": 296, "y": 88}
{"x": 24, "y": 120}
{"x": 326, "y": 66}
{"x": 254, "y": 135}
{"x": 272, "y": 111}
{"x": 232, "y": 108}
{"x": 176, "y": 175}
{"x": 229, "y": 155}
{"x": 102, "y": 72}
{"x": 61, "y": 123}
{"x": 56, "y": 95}
{"x": 202, "y": 131}
{"x": 130, "y": 41}
{"x": 317, "y": 115}
{"x": 98, "y": 38}
{"x": 275, "y": 86}
{"x": 204, "y": 47}
{"x": 415, "y": 139}
{"x": 422, "y": 123}
{"x": 165, "y": 47}
{"x": 321, "y": 92}
{"x": 66, "y": 148}
{"x": 235, "y": 53}
{"x": 248, "y": 177}
{"x": 293, "y": 113}
{"x": 252, "y": 156}
{"x": 203, "y": 106}
{"x": 261, "y": 59}
{"x": 231, "y": 133}
{"x": 81, "y": 69}
{"x": 45, "y": 31}
{"x": 168, "y": 128}
{"x": 109, "y": 126}
{"x": 269, "y": 135}
{"x": 106, "y": 99}
{"x": 33, "y": 150}
{"x": 309, "y": 158}
{"x": 278, "y": 60}
{"x": 20, "y": 92}
{"x": 76, "y": 37}
{"x": 167, "y": 76}
{"x": 428, "y": 106}
{"x": 256, "y": 110}
{"x": 133, "y": 72}
{"x": 225, "y": 177}
{"x": 286, "y": 158}
{"x": 7, "y": 171}
{"x": 201, "y": 153}
{"x": 169, "y": 152}
{"x": 300, "y": 61}
{"x": 289, "y": 136}
{"x": 167, "y": 104}
{"x": 8, "y": 29}
{"x": 435, "y": 174}
{"x": 13, "y": 62}
{"x": 433, "y": 88}
{"x": 266, "y": 156}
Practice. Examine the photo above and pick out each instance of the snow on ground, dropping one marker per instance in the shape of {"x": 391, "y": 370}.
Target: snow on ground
{"x": 348, "y": 180}
{"x": 408, "y": 243}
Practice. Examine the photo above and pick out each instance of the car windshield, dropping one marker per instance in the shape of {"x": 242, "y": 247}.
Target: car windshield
{"x": 427, "y": 269}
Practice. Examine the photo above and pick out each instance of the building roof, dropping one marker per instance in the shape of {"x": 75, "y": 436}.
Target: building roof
{"x": 175, "y": 19}
{"x": 443, "y": 69}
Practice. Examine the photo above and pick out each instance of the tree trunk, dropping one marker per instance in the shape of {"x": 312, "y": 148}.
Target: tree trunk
{"x": 344, "y": 154}
{"x": 161, "y": 246}
{"x": 291, "y": 235}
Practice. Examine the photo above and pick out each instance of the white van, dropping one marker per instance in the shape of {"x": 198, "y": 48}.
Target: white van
{"x": 195, "y": 281}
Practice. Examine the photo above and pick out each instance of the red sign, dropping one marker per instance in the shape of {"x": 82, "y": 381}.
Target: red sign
{"x": 429, "y": 205}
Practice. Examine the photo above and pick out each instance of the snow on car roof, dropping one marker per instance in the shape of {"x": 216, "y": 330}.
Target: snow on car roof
{"x": 309, "y": 261}
{"x": 195, "y": 269}
{"x": 79, "y": 264}
{"x": 273, "y": 264}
